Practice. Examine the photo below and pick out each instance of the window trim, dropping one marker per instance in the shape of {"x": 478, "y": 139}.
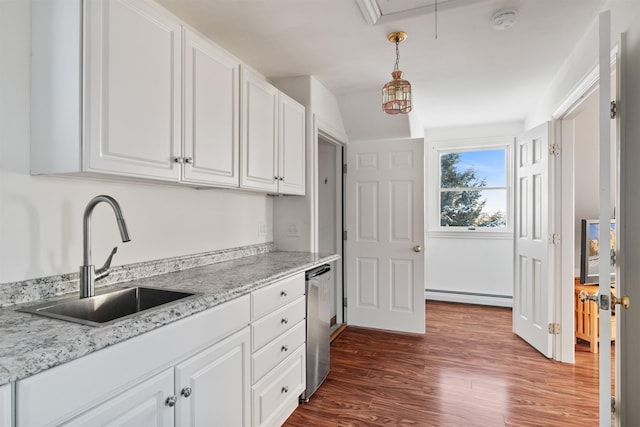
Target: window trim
{"x": 435, "y": 149}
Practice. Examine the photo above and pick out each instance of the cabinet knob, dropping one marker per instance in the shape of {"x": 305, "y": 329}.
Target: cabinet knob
{"x": 285, "y": 389}
{"x": 284, "y": 320}
{"x": 282, "y": 178}
{"x": 283, "y": 293}
{"x": 188, "y": 160}
{"x": 276, "y": 178}
{"x": 178, "y": 160}
{"x": 284, "y": 348}
{"x": 186, "y": 391}
{"x": 171, "y": 401}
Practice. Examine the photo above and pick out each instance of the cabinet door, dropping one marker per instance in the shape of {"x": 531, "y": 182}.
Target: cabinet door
{"x": 5, "y": 405}
{"x": 133, "y": 89}
{"x": 218, "y": 382}
{"x": 259, "y": 140}
{"x": 141, "y": 406}
{"x": 211, "y": 111}
{"x": 291, "y": 164}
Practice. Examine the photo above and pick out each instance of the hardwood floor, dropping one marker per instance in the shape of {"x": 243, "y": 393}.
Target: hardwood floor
{"x": 469, "y": 369}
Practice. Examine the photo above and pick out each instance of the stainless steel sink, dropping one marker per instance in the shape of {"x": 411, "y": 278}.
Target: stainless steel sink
{"x": 107, "y": 307}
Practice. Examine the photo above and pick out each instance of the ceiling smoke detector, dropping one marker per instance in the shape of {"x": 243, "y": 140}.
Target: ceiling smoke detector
{"x": 503, "y": 19}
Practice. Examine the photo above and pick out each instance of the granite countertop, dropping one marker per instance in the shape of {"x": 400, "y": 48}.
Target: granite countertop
{"x": 31, "y": 343}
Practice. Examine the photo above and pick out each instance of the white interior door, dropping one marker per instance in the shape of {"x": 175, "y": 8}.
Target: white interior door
{"x": 532, "y": 305}
{"x": 604, "y": 236}
{"x": 385, "y": 225}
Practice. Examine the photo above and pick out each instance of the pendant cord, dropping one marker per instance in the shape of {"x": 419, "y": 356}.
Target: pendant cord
{"x": 395, "y": 68}
{"x": 435, "y": 15}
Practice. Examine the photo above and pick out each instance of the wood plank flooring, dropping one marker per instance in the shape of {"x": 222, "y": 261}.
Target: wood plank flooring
{"x": 469, "y": 369}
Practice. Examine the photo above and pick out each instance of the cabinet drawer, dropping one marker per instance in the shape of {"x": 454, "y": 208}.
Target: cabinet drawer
{"x": 275, "y": 397}
{"x": 269, "y": 327}
{"x": 270, "y": 298}
{"x": 272, "y": 354}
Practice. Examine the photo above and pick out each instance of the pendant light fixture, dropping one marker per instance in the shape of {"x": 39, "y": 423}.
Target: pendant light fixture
{"x": 396, "y": 95}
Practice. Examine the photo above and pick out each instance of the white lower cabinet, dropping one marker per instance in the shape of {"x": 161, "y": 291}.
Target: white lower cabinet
{"x": 278, "y": 350}
{"x": 141, "y": 406}
{"x": 213, "y": 387}
{"x": 6, "y": 406}
{"x": 194, "y": 372}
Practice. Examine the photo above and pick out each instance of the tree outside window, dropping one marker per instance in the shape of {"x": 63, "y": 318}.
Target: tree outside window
{"x": 473, "y": 189}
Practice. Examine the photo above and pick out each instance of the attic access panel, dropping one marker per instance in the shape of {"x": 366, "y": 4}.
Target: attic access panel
{"x": 379, "y": 11}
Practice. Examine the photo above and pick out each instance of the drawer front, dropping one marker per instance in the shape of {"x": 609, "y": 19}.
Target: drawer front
{"x": 275, "y": 397}
{"x": 269, "y": 327}
{"x": 272, "y": 297}
{"x": 271, "y": 354}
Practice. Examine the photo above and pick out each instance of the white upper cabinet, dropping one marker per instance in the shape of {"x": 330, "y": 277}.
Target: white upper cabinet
{"x": 291, "y": 146}
{"x": 133, "y": 89}
{"x": 272, "y": 138}
{"x": 122, "y": 88}
{"x": 106, "y": 88}
{"x": 211, "y": 111}
{"x": 259, "y": 133}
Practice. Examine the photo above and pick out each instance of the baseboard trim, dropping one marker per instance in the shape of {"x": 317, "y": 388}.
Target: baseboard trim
{"x": 469, "y": 298}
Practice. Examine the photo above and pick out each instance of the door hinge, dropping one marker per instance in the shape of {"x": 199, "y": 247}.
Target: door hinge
{"x": 613, "y": 404}
{"x": 614, "y": 257}
{"x": 554, "y": 239}
{"x": 344, "y": 301}
{"x": 614, "y": 109}
{"x": 344, "y": 235}
{"x": 555, "y": 149}
{"x": 554, "y": 328}
{"x": 344, "y": 168}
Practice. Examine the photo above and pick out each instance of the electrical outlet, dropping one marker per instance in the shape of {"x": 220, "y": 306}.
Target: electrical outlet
{"x": 293, "y": 230}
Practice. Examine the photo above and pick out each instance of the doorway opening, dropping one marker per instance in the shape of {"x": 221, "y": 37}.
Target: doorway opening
{"x": 331, "y": 221}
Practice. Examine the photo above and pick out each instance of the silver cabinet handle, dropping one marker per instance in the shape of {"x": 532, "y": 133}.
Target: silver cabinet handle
{"x": 186, "y": 391}
{"x": 284, "y": 320}
{"x": 188, "y": 160}
{"x": 285, "y": 389}
{"x": 283, "y": 293}
{"x": 171, "y": 401}
{"x": 284, "y": 348}
{"x": 282, "y": 178}
{"x": 417, "y": 248}
{"x": 179, "y": 160}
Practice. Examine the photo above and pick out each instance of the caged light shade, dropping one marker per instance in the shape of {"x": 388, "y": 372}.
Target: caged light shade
{"x": 396, "y": 94}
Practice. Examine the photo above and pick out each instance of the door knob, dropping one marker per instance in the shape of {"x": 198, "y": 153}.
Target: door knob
{"x": 417, "y": 248}
{"x": 625, "y": 301}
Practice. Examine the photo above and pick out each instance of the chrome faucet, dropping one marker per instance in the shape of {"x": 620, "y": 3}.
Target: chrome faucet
{"x": 88, "y": 273}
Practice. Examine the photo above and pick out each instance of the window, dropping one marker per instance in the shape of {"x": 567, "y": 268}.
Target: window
{"x": 473, "y": 190}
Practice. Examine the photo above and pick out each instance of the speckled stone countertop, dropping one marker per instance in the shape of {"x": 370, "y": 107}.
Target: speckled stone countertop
{"x": 30, "y": 343}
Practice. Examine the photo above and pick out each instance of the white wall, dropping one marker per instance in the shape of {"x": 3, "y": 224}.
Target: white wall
{"x": 586, "y": 160}
{"x": 468, "y": 269}
{"x": 41, "y": 216}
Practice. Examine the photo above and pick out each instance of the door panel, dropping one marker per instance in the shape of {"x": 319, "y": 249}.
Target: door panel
{"x": 211, "y": 113}
{"x": 532, "y": 296}
{"x": 133, "y": 89}
{"x": 385, "y": 219}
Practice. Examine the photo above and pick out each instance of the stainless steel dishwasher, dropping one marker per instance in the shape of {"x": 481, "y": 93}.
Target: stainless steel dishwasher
{"x": 318, "y": 282}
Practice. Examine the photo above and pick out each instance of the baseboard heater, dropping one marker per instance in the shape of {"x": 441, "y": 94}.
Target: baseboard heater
{"x": 469, "y": 297}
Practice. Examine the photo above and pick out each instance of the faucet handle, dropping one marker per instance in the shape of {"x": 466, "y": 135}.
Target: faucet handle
{"x": 106, "y": 268}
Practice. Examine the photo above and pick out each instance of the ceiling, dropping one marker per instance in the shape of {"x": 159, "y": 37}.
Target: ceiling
{"x": 471, "y": 74}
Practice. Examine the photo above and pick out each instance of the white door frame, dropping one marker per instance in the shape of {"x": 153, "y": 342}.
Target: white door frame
{"x": 567, "y": 110}
{"x": 339, "y": 221}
